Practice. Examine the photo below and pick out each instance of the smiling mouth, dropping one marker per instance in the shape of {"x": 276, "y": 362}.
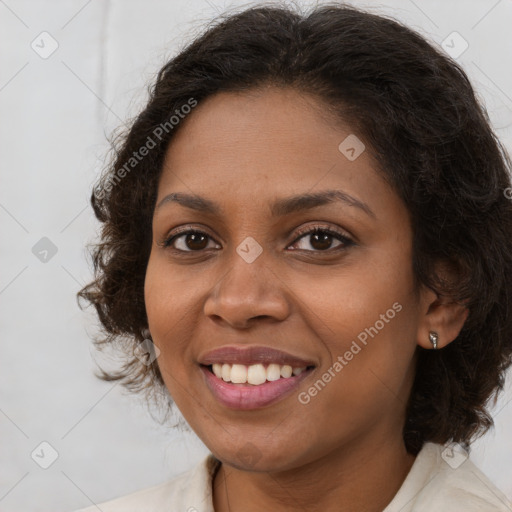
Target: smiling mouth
{"x": 249, "y": 387}
{"x": 255, "y": 374}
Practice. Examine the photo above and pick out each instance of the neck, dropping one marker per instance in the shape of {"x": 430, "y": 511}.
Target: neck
{"x": 363, "y": 477}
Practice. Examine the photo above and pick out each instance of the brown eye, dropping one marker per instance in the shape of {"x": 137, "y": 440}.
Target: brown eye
{"x": 321, "y": 239}
{"x": 189, "y": 241}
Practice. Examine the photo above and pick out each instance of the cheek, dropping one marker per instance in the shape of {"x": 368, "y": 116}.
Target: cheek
{"x": 170, "y": 313}
{"x": 345, "y": 301}
{"x": 365, "y": 318}
{"x": 170, "y": 296}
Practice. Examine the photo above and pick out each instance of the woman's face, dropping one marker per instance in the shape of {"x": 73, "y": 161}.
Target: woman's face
{"x": 256, "y": 276}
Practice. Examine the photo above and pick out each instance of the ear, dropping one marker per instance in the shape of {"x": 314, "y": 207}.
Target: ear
{"x": 439, "y": 313}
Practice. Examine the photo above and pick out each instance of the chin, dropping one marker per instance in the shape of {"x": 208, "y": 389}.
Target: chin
{"x": 249, "y": 456}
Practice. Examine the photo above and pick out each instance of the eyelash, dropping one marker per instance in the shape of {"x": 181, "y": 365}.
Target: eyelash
{"x": 301, "y": 233}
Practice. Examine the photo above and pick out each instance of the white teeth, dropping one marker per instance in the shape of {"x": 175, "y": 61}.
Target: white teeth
{"x": 286, "y": 371}
{"x": 273, "y": 372}
{"x": 238, "y": 373}
{"x": 217, "y": 369}
{"x": 254, "y": 374}
{"x": 226, "y": 372}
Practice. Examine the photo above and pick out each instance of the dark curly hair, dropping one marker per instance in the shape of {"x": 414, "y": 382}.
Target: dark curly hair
{"x": 417, "y": 114}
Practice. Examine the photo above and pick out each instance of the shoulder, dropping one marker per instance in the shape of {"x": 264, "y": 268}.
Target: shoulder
{"x": 467, "y": 488}
{"x": 445, "y": 478}
{"x": 190, "y": 491}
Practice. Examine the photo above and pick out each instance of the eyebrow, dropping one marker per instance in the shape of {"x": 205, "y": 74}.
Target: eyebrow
{"x": 280, "y": 207}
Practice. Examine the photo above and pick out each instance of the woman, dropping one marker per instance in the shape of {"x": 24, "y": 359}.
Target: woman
{"x": 306, "y": 244}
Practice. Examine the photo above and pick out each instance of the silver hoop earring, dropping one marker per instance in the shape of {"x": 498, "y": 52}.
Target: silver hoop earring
{"x": 433, "y": 338}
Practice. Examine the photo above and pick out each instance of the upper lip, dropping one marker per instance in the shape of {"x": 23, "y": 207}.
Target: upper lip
{"x": 232, "y": 354}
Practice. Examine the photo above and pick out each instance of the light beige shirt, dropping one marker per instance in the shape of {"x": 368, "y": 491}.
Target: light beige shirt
{"x": 435, "y": 483}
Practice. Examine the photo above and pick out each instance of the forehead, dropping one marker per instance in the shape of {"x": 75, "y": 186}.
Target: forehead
{"x": 247, "y": 122}
{"x": 265, "y": 143}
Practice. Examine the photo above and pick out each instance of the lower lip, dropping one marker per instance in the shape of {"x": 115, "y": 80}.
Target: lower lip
{"x": 243, "y": 396}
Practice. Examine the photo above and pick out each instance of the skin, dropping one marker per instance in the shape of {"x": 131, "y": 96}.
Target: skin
{"x": 344, "y": 449}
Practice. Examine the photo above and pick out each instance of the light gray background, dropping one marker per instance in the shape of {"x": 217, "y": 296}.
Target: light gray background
{"x": 54, "y": 115}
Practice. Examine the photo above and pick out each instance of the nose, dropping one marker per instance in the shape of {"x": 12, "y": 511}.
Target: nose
{"x": 247, "y": 291}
